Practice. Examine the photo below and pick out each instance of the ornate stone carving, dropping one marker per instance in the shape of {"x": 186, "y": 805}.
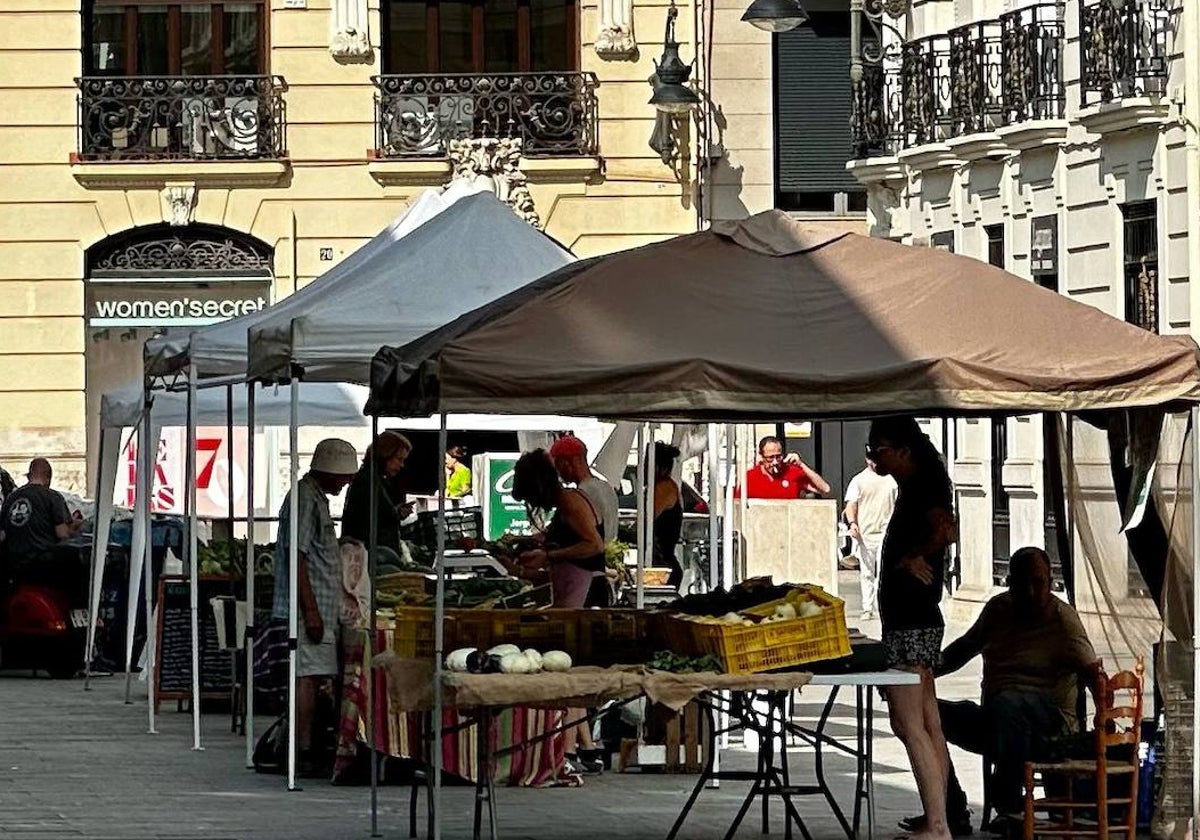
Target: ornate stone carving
{"x": 615, "y": 39}
{"x": 180, "y": 201}
{"x": 349, "y": 39}
{"x": 494, "y": 163}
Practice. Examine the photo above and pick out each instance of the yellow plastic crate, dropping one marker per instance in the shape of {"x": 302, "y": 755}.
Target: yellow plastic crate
{"x": 750, "y": 649}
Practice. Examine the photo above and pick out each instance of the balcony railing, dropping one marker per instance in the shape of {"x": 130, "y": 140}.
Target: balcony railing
{"x": 132, "y": 118}
{"x": 1123, "y": 48}
{"x": 926, "y": 90}
{"x": 1031, "y": 61}
{"x": 973, "y": 79}
{"x": 554, "y": 114}
{"x": 976, "y": 98}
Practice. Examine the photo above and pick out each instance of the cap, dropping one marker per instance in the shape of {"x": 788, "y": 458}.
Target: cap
{"x": 568, "y": 446}
{"x": 335, "y": 456}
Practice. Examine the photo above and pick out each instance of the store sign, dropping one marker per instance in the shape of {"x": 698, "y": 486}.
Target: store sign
{"x": 214, "y": 480}
{"x": 502, "y": 514}
{"x": 173, "y": 303}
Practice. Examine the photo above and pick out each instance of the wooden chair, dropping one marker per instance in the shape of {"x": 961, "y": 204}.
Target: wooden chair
{"x": 1084, "y": 682}
{"x": 1118, "y": 724}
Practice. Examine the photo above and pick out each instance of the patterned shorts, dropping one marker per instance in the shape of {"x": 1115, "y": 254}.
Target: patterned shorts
{"x": 921, "y": 646}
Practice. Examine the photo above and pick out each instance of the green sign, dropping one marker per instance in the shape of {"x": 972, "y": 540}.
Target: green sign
{"x": 502, "y": 514}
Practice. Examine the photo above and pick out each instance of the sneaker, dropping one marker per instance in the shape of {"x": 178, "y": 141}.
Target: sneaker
{"x": 577, "y": 766}
{"x": 960, "y": 824}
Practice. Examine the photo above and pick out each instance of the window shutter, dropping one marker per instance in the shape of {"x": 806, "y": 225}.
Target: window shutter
{"x": 812, "y": 106}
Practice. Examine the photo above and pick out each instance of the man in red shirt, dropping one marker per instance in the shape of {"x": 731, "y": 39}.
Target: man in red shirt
{"x": 779, "y": 476}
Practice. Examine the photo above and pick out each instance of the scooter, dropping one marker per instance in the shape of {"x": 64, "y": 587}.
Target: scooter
{"x": 42, "y": 625}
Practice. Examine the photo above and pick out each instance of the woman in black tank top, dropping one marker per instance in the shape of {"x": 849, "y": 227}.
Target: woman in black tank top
{"x": 668, "y": 512}
{"x": 573, "y": 551}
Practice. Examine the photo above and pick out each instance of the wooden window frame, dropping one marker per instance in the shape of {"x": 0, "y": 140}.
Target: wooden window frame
{"x": 478, "y": 44}
{"x": 174, "y": 44}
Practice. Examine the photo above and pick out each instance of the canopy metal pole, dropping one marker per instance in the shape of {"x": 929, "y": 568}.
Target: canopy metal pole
{"x": 89, "y": 649}
{"x": 251, "y": 567}
{"x": 149, "y": 455}
{"x": 369, "y": 649}
{"x": 141, "y": 500}
{"x": 1195, "y": 827}
{"x": 293, "y": 572}
{"x": 648, "y": 489}
{"x": 639, "y": 587}
{"x": 439, "y": 640}
{"x": 193, "y": 553}
{"x": 714, "y": 530}
{"x": 728, "y": 507}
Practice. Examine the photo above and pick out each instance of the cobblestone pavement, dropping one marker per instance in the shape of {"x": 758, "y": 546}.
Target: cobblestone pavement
{"x": 77, "y": 764}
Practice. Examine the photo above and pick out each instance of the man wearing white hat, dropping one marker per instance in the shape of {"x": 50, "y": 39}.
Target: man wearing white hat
{"x": 319, "y": 581}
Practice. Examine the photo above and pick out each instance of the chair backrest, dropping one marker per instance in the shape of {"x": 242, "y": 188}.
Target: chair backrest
{"x": 1119, "y": 710}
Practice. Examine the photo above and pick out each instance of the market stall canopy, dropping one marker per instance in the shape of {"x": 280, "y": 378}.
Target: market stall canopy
{"x": 763, "y": 319}
{"x": 320, "y": 404}
{"x": 219, "y": 350}
{"x": 467, "y": 256}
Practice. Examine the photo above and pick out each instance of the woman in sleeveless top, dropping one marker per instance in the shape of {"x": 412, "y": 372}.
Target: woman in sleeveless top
{"x": 573, "y": 551}
{"x": 668, "y": 512}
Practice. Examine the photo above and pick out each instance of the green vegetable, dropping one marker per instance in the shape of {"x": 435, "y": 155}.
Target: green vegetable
{"x": 677, "y": 663}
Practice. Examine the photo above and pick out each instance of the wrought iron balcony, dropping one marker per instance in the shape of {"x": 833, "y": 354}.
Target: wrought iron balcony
{"x": 975, "y": 78}
{"x": 132, "y": 118}
{"x": 926, "y": 87}
{"x": 1031, "y": 61}
{"x": 876, "y": 115}
{"x": 554, "y": 114}
{"x": 1123, "y": 48}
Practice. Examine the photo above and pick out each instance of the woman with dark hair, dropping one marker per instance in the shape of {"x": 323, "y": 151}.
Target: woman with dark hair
{"x": 390, "y": 450}
{"x": 911, "y": 570}
{"x": 573, "y": 551}
{"x": 668, "y": 512}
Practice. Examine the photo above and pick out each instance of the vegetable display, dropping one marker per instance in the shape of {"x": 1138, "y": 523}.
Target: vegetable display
{"x": 506, "y": 659}
{"x": 677, "y": 663}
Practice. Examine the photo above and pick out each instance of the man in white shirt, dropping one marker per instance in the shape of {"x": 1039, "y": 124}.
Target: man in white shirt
{"x": 569, "y": 454}
{"x": 870, "y": 498}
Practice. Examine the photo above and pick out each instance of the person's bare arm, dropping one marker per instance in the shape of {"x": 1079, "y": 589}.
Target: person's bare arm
{"x": 967, "y": 646}
{"x": 814, "y": 478}
{"x": 851, "y": 514}
{"x": 665, "y": 496}
{"x": 942, "y": 532}
{"x": 314, "y": 625}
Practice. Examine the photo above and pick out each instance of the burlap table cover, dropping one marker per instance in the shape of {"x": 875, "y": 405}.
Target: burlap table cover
{"x": 410, "y": 684}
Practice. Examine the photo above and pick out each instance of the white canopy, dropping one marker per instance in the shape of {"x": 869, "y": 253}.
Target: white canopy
{"x": 468, "y": 255}
{"x": 321, "y": 404}
{"x": 220, "y": 349}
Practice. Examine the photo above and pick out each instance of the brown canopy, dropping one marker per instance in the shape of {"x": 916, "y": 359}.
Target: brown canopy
{"x": 765, "y": 319}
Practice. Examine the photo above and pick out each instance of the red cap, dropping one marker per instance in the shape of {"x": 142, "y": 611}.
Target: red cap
{"x": 568, "y": 446}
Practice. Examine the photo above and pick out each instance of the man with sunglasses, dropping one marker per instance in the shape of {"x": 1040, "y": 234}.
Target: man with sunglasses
{"x": 780, "y": 476}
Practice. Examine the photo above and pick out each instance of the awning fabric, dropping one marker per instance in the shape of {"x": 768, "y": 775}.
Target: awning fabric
{"x": 764, "y": 319}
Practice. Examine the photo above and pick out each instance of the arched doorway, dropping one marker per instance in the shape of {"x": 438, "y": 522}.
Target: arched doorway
{"x": 143, "y": 281}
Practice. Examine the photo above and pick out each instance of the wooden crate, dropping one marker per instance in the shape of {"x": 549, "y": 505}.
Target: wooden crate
{"x": 683, "y": 736}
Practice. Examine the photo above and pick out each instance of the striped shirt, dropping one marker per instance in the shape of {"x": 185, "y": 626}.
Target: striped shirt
{"x": 317, "y": 539}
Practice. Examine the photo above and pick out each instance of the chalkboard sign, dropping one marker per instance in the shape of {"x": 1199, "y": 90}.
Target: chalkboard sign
{"x": 173, "y": 674}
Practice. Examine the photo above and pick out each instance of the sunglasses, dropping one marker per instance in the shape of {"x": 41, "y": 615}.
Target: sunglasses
{"x": 873, "y": 450}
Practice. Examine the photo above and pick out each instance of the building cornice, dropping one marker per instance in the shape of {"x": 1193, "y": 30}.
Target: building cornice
{"x": 156, "y": 175}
